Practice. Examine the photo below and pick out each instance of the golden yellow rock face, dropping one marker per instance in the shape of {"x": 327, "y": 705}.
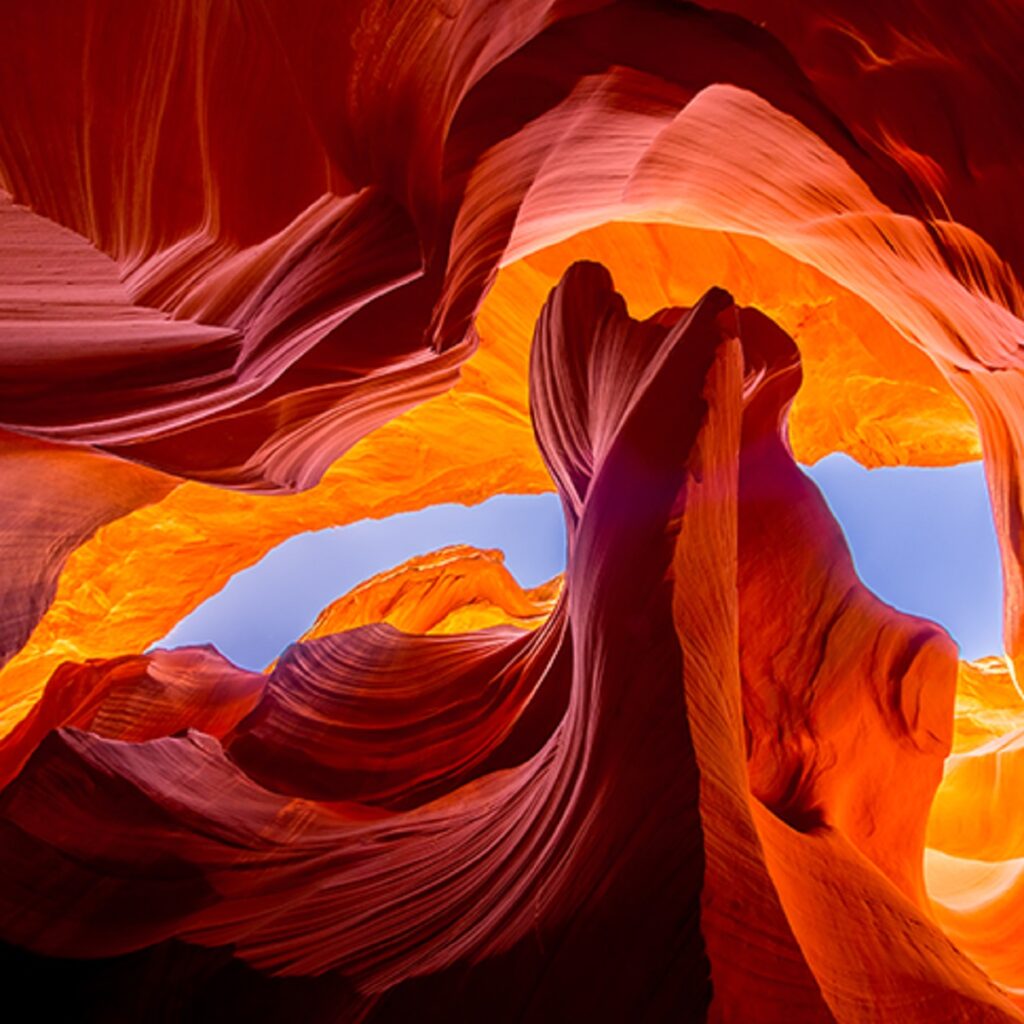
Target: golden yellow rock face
{"x": 973, "y": 814}
{"x": 989, "y": 703}
{"x": 974, "y": 861}
{"x": 866, "y": 392}
{"x": 458, "y": 589}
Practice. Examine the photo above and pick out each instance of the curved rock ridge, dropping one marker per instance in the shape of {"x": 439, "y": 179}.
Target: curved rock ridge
{"x": 407, "y": 810}
{"x": 136, "y": 698}
{"x": 457, "y": 589}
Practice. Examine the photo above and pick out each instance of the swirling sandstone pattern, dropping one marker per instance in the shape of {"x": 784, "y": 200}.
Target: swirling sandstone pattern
{"x": 267, "y": 267}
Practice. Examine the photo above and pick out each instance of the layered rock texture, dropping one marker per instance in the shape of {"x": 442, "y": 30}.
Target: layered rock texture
{"x": 269, "y": 267}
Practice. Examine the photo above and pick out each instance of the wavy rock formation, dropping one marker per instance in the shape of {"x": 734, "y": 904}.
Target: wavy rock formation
{"x": 267, "y": 268}
{"x": 361, "y": 742}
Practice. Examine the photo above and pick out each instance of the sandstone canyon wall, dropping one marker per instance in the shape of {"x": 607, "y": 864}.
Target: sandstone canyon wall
{"x": 269, "y": 267}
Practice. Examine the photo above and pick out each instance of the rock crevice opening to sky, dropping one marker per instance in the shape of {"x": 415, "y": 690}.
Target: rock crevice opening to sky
{"x": 922, "y": 540}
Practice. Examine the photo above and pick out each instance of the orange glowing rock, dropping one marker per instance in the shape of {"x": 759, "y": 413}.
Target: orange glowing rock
{"x": 136, "y": 698}
{"x": 457, "y": 462}
{"x": 975, "y": 858}
{"x": 458, "y": 589}
{"x": 866, "y": 391}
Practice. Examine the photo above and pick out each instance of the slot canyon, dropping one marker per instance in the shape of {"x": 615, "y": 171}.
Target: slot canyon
{"x": 269, "y": 267}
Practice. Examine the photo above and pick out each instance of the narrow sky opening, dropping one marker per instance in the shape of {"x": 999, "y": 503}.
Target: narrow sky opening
{"x": 923, "y": 540}
{"x": 267, "y": 606}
